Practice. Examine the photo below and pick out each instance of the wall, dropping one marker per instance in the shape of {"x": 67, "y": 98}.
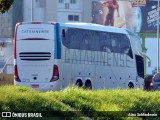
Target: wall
{"x": 51, "y": 10}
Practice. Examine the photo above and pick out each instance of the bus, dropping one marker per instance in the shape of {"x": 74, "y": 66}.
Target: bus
{"x": 52, "y": 56}
{"x": 35, "y": 55}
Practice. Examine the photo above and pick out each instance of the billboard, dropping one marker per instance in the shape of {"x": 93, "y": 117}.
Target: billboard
{"x": 150, "y": 16}
{"x": 138, "y": 3}
{"x": 124, "y": 15}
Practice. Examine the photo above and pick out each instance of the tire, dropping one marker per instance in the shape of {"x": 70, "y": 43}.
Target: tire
{"x": 88, "y": 84}
{"x": 130, "y": 85}
{"x": 79, "y": 83}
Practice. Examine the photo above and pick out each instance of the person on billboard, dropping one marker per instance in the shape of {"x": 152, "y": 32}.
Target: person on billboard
{"x": 112, "y": 5}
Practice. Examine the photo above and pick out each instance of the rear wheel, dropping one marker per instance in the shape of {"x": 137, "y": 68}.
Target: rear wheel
{"x": 79, "y": 83}
{"x": 88, "y": 84}
{"x": 131, "y": 85}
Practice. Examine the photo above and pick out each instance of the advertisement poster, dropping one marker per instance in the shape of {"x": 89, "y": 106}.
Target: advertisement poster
{"x": 124, "y": 15}
{"x": 150, "y": 16}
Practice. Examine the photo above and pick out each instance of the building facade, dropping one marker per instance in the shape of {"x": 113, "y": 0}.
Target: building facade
{"x": 7, "y": 25}
{"x": 37, "y": 10}
{"x": 44, "y": 10}
{"x": 58, "y": 10}
{"x": 65, "y": 11}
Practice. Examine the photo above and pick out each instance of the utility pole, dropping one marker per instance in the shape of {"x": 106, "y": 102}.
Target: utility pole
{"x": 158, "y": 38}
{"x": 31, "y": 10}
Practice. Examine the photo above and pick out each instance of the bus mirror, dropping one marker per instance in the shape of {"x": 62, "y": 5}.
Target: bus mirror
{"x": 149, "y": 60}
{"x": 63, "y": 33}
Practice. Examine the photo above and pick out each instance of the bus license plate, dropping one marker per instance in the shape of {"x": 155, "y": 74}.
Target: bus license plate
{"x": 35, "y": 85}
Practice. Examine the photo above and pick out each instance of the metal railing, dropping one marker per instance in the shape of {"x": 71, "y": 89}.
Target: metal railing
{"x": 5, "y": 64}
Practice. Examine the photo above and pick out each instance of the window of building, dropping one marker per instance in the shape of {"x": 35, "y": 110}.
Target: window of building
{"x": 76, "y": 18}
{"x": 66, "y": 5}
{"x": 73, "y": 1}
{"x": 73, "y": 17}
{"x": 40, "y": 3}
{"x": 61, "y": 1}
{"x": 70, "y": 17}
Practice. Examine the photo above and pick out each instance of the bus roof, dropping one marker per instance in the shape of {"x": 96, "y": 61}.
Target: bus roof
{"x": 132, "y": 33}
{"x": 92, "y": 26}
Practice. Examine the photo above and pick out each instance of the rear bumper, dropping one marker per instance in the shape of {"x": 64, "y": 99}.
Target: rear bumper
{"x": 40, "y": 86}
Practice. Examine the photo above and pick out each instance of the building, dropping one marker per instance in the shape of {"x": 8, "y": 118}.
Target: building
{"x": 58, "y": 10}
{"x": 37, "y": 10}
{"x": 7, "y": 24}
{"x": 44, "y": 10}
{"x": 69, "y": 11}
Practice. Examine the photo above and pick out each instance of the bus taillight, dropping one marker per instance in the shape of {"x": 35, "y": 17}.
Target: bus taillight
{"x": 52, "y": 23}
{"x": 55, "y": 74}
{"x": 16, "y": 77}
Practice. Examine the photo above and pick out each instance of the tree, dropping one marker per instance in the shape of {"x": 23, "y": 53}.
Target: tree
{"x": 5, "y": 5}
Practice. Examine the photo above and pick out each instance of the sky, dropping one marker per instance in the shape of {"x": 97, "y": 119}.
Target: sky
{"x": 151, "y": 45}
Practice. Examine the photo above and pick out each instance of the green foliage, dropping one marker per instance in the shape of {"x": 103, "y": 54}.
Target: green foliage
{"x": 114, "y": 104}
{"x": 5, "y": 5}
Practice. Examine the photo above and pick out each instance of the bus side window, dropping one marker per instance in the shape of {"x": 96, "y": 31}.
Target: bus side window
{"x": 104, "y": 42}
{"x": 63, "y": 33}
{"x": 125, "y": 46}
{"x": 84, "y": 40}
{"x": 115, "y": 43}
{"x": 70, "y": 39}
{"x": 74, "y": 44}
{"x": 95, "y": 41}
{"x": 74, "y": 39}
{"x": 65, "y": 41}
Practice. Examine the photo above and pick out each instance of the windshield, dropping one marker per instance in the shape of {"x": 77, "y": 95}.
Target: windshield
{"x": 136, "y": 43}
{"x": 156, "y": 77}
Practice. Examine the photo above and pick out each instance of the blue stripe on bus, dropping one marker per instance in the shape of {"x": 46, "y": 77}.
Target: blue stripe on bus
{"x": 57, "y": 45}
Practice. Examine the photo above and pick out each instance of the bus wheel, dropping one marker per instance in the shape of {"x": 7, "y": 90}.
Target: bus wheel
{"x": 79, "y": 83}
{"x": 88, "y": 84}
{"x": 130, "y": 85}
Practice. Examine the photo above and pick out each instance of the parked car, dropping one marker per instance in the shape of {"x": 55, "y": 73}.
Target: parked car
{"x": 147, "y": 82}
{"x": 155, "y": 83}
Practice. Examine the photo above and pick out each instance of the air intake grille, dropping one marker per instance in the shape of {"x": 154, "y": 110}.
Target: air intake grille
{"x": 35, "y": 56}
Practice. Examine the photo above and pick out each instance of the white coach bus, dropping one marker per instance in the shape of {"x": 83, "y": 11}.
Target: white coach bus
{"x": 51, "y": 56}
{"x": 35, "y": 56}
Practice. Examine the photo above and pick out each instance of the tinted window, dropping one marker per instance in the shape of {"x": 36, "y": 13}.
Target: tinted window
{"x": 115, "y": 43}
{"x": 156, "y": 77}
{"x": 125, "y": 46}
{"x": 70, "y": 38}
{"x": 92, "y": 40}
{"x": 84, "y": 39}
{"x": 136, "y": 43}
{"x": 74, "y": 39}
{"x": 105, "y": 42}
{"x": 65, "y": 38}
{"x": 95, "y": 41}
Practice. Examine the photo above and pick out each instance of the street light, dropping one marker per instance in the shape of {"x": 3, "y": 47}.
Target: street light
{"x": 158, "y": 38}
{"x": 31, "y": 10}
